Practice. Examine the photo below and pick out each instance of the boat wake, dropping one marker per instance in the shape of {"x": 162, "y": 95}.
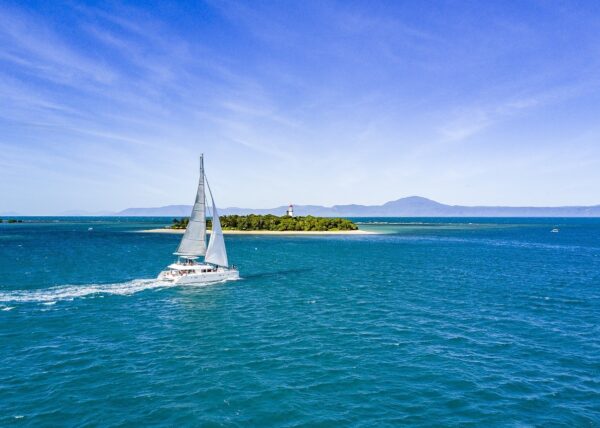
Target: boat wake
{"x": 70, "y": 292}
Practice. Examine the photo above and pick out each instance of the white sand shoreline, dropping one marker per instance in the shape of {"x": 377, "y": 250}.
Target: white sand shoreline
{"x": 266, "y": 232}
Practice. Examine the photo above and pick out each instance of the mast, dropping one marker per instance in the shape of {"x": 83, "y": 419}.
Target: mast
{"x": 193, "y": 243}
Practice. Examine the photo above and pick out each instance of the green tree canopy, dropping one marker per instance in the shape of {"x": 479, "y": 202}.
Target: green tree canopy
{"x": 275, "y": 223}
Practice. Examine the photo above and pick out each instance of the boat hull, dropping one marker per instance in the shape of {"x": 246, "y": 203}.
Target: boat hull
{"x": 200, "y": 278}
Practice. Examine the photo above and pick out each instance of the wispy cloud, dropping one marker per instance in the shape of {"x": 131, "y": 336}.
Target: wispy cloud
{"x": 27, "y": 40}
{"x": 468, "y": 121}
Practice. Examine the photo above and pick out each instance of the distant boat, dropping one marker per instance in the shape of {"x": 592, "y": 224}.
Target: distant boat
{"x": 555, "y": 230}
{"x": 186, "y": 270}
{"x": 90, "y": 228}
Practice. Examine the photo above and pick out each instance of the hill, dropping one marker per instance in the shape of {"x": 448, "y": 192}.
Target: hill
{"x": 413, "y": 206}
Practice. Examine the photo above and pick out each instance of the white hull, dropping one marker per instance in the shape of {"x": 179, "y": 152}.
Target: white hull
{"x": 199, "y": 278}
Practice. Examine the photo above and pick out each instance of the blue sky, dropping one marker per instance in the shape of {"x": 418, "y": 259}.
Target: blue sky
{"x": 105, "y": 106}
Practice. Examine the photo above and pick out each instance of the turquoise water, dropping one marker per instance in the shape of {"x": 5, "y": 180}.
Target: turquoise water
{"x": 490, "y": 322}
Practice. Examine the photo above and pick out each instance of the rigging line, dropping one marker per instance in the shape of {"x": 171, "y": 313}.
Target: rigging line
{"x": 209, "y": 206}
{"x": 212, "y": 198}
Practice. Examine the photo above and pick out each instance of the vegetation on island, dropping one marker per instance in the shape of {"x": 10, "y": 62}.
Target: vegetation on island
{"x": 11, "y": 220}
{"x": 275, "y": 223}
{"x": 179, "y": 223}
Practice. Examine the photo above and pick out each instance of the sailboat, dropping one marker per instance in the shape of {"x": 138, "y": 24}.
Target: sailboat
{"x": 214, "y": 268}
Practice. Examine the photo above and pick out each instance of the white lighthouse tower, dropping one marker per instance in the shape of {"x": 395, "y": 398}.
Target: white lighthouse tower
{"x": 290, "y": 211}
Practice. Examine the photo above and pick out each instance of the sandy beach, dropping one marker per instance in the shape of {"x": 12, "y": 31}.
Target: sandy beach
{"x": 265, "y": 232}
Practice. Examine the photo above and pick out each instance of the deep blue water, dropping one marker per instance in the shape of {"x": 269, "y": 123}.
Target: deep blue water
{"x": 491, "y": 322}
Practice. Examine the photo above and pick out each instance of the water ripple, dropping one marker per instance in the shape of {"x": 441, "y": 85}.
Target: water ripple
{"x": 480, "y": 327}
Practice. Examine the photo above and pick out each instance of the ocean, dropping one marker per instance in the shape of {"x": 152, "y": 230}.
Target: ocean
{"x": 433, "y": 322}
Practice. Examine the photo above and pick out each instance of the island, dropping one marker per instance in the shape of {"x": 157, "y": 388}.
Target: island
{"x": 276, "y": 223}
{"x": 272, "y": 224}
{"x": 11, "y": 220}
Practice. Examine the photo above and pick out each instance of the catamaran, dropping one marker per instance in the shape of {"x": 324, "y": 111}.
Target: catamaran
{"x": 215, "y": 268}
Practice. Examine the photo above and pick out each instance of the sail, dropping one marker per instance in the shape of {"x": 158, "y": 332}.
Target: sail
{"x": 193, "y": 242}
{"x": 216, "y": 252}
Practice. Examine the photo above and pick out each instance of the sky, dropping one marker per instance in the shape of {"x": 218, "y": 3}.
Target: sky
{"x": 108, "y": 105}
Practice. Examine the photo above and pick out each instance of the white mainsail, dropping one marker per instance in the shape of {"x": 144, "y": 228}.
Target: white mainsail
{"x": 216, "y": 252}
{"x": 193, "y": 242}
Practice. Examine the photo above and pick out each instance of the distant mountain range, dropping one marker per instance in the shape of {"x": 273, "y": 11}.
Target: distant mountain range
{"x": 413, "y": 206}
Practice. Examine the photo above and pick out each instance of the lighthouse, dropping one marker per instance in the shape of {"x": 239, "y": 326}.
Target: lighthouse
{"x": 290, "y": 211}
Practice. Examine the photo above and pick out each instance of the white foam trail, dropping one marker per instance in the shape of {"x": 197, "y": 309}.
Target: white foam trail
{"x": 70, "y": 292}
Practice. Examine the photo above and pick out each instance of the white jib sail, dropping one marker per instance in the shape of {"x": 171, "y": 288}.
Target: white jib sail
{"x": 216, "y": 252}
{"x": 193, "y": 242}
